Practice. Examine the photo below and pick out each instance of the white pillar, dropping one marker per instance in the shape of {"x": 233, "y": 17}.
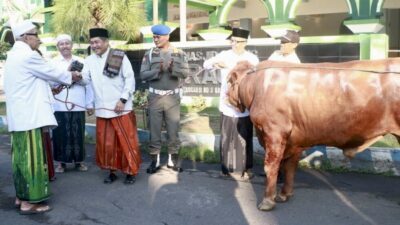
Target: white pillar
{"x": 182, "y": 21}
{"x": 155, "y": 11}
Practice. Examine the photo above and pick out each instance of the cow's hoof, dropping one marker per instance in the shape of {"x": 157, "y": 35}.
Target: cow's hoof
{"x": 266, "y": 205}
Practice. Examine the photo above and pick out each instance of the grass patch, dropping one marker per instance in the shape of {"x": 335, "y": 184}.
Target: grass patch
{"x": 199, "y": 153}
{"x": 326, "y": 165}
{"x": 388, "y": 141}
{"x": 193, "y": 153}
{"x": 4, "y": 130}
{"x": 185, "y": 109}
{"x": 89, "y": 140}
{"x": 3, "y": 110}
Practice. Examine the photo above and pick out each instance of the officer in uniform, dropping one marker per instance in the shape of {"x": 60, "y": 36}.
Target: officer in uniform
{"x": 163, "y": 67}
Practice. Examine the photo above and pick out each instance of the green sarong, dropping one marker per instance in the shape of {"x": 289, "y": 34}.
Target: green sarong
{"x": 29, "y": 164}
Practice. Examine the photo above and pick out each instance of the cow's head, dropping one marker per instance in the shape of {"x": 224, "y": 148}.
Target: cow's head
{"x": 236, "y": 75}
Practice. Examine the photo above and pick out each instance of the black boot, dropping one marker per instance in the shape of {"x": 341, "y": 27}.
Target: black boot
{"x": 154, "y": 165}
{"x": 174, "y": 160}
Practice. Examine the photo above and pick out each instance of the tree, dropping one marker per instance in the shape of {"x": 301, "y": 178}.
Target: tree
{"x": 21, "y": 10}
{"x": 123, "y": 18}
{"x": 4, "y": 48}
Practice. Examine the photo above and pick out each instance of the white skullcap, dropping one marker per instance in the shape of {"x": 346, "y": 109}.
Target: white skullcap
{"x": 19, "y": 29}
{"x": 62, "y": 37}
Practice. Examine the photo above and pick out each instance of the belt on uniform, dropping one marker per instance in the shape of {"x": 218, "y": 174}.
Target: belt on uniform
{"x": 163, "y": 92}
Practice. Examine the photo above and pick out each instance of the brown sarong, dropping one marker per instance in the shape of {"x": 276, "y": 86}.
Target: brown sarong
{"x": 117, "y": 144}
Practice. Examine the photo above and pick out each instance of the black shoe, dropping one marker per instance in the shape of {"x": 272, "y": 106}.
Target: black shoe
{"x": 175, "y": 167}
{"x": 110, "y": 178}
{"x": 225, "y": 174}
{"x": 130, "y": 179}
{"x": 153, "y": 168}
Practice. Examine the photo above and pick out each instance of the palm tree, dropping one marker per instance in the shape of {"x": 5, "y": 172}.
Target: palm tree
{"x": 123, "y": 18}
{"x": 21, "y": 10}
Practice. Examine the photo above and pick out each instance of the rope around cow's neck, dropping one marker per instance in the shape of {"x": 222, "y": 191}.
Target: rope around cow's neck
{"x": 328, "y": 68}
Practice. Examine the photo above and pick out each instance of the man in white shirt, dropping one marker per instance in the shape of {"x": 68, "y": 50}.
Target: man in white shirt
{"x": 113, "y": 82}
{"x": 70, "y": 106}
{"x": 29, "y": 111}
{"x": 236, "y": 145}
{"x": 286, "y": 53}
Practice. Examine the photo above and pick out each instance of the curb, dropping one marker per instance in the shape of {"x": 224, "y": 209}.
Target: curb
{"x": 372, "y": 160}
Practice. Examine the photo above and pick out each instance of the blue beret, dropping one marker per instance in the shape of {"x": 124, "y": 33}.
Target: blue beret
{"x": 160, "y": 29}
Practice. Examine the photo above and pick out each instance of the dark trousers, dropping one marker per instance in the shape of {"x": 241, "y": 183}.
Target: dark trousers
{"x": 236, "y": 146}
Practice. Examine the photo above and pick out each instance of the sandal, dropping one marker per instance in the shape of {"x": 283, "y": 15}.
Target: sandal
{"x": 35, "y": 209}
{"x": 59, "y": 169}
{"x": 81, "y": 167}
{"x": 17, "y": 203}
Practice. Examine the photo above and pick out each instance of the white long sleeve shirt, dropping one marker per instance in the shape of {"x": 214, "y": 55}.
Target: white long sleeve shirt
{"x": 278, "y": 56}
{"x": 28, "y": 95}
{"x": 78, "y": 94}
{"x": 230, "y": 59}
{"x": 108, "y": 91}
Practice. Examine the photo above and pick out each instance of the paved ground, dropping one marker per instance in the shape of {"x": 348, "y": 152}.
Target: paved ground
{"x": 199, "y": 196}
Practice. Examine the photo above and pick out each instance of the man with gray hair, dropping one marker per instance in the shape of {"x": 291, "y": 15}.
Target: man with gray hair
{"x": 70, "y": 106}
{"x": 29, "y": 112}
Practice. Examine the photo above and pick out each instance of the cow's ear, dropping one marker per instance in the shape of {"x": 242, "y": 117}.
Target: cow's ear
{"x": 232, "y": 77}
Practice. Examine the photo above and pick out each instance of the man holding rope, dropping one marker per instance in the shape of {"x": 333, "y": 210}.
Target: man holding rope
{"x": 69, "y": 136}
{"x": 236, "y": 143}
{"x": 29, "y": 113}
{"x": 113, "y": 82}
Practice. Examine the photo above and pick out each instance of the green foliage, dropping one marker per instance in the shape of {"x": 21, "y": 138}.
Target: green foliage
{"x": 327, "y": 165}
{"x": 4, "y": 48}
{"x": 4, "y": 130}
{"x": 193, "y": 153}
{"x": 140, "y": 99}
{"x": 89, "y": 139}
{"x": 75, "y": 17}
{"x": 388, "y": 141}
{"x": 199, "y": 153}
{"x": 198, "y": 103}
{"x": 3, "y": 109}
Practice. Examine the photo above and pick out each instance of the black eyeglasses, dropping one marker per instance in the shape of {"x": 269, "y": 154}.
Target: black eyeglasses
{"x": 236, "y": 41}
{"x": 32, "y": 34}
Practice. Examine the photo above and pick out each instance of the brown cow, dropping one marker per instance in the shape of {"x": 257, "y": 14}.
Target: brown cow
{"x": 295, "y": 106}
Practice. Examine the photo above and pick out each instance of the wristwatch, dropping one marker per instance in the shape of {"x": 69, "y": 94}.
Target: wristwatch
{"x": 123, "y": 100}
